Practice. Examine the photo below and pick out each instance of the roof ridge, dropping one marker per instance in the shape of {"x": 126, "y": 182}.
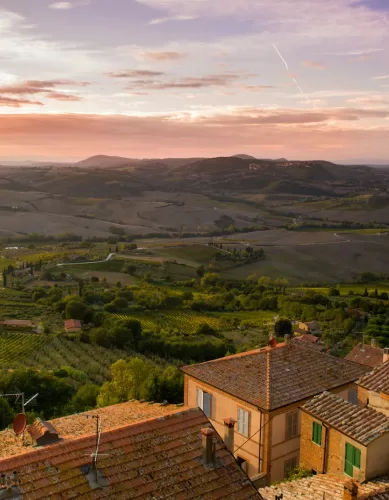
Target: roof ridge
{"x": 84, "y": 437}
{"x": 268, "y": 378}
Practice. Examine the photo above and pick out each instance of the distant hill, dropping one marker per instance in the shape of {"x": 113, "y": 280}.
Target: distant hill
{"x": 104, "y": 161}
{"x": 244, "y": 157}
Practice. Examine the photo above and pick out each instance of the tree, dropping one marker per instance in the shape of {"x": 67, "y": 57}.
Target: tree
{"x": 210, "y": 279}
{"x": 4, "y": 280}
{"x": 75, "y": 309}
{"x": 130, "y": 269}
{"x": 86, "y": 397}
{"x": 7, "y": 414}
{"x": 283, "y": 327}
{"x": 200, "y": 271}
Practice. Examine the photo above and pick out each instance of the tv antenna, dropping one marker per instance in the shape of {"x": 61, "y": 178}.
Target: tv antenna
{"x": 94, "y": 456}
{"x": 18, "y": 395}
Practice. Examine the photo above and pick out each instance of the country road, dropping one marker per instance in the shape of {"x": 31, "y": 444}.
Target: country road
{"x": 90, "y": 262}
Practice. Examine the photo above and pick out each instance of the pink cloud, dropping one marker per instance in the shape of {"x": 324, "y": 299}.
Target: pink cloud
{"x": 17, "y": 103}
{"x": 316, "y": 65}
{"x": 163, "y": 56}
{"x": 257, "y": 132}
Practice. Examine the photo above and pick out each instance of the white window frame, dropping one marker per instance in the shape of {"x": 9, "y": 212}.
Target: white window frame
{"x": 204, "y": 401}
{"x": 243, "y": 422}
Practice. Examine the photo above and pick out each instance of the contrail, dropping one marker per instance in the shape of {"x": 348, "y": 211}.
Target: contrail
{"x": 295, "y": 81}
{"x": 278, "y": 52}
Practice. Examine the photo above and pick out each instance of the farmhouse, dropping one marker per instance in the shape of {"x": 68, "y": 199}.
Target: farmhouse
{"x": 262, "y": 391}
{"x": 72, "y": 325}
{"x": 178, "y": 455}
{"x": 312, "y": 327}
{"x": 17, "y": 323}
{"x": 342, "y": 438}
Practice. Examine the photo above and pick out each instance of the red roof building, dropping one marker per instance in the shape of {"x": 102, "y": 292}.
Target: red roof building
{"x": 178, "y": 456}
{"x": 72, "y": 325}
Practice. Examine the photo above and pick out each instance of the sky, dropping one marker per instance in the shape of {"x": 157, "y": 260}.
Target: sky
{"x": 300, "y": 79}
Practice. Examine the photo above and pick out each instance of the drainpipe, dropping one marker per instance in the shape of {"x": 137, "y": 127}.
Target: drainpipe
{"x": 325, "y": 459}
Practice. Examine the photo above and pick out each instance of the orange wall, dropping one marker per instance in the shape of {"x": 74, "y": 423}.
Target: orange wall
{"x": 224, "y": 406}
{"x": 274, "y": 445}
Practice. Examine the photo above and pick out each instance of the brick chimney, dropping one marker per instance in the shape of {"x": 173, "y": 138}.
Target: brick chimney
{"x": 350, "y": 491}
{"x": 386, "y": 355}
{"x": 208, "y": 446}
{"x": 373, "y": 343}
{"x": 229, "y": 433}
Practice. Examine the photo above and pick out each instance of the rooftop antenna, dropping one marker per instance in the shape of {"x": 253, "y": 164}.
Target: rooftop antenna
{"x": 96, "y": 454}
{"x": 18, "y": 395}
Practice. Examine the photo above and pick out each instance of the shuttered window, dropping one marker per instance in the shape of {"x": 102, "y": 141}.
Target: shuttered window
{"x": 243, "y": 422}
{"x": 204, "y": 401}
{"x": 316, "y": 433}
{"x": 291, "y": 425}
{"x": 352, "y": 459}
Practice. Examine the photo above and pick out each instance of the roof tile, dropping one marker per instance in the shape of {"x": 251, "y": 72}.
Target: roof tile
{"x": 377, "y": 380}
{"x": 366, "y": 355}
{"x": 362, "y": 424}
{"x": 325, "y": 487}
{"x": 162, "y": 459}
{"x": 270, "y": 378}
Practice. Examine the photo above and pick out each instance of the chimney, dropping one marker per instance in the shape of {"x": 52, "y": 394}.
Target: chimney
{"x": 287, "y": 339}
{"x": 350, "y": 491}
{"x": 229, "y": 433}
{"x": 386, "y": 354}
{"x": 373, "y": 343}
{"x": 208, "y": 446}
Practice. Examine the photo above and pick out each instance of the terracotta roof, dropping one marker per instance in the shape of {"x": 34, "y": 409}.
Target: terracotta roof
{"x": 271, "y": 378}
{"x": 362, "y": 424}
{"x": 17, "y": 322}
{"x": 72, "y": 323}
{"x": 377, "y": 380}
{"x": 159, "y": 458}
{"x": 77, "y": 425}
{"x": 324, "y": 487}
{"x": 308, "y": 337}
{"x": 39, "y": 428}
{"x": 369, "y": 356}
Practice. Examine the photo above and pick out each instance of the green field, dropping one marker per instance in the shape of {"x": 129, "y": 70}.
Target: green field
{"x": 95, "y": 361}
{"x": 182, "y": 321}
{"x": 15, "y": 347}
{"x": 200, "y": 254}
{"x": 357, "y": 288}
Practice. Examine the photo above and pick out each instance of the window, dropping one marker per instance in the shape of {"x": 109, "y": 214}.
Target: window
{"x": 316, "y": 433}
{"x": 243, "y": 422}
{"x": 352, "y": 459}
{"x": 353, "y": 396}
{"x": 204, "y": 401}
{"x": 289, "y": 465}
{"x": 291, "y": 425}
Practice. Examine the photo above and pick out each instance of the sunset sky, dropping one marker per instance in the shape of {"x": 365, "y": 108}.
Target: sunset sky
{"x": 301, "y": 79}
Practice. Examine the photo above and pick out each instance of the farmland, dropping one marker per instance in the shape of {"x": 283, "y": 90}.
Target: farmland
{"x": 15, "y": 347}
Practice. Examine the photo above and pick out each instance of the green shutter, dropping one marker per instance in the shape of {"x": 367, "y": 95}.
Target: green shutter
{"x": 348, "y": 460}
{"x": 357, "y": 458}
{"x": 316, "y": 433}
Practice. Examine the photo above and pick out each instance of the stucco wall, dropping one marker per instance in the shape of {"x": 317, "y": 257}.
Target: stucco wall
{"x": 312, "y": 455}
{"x": 224, "y": 406}
{"x": 379, "y": 402}
{"x": 378, "y": 457}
